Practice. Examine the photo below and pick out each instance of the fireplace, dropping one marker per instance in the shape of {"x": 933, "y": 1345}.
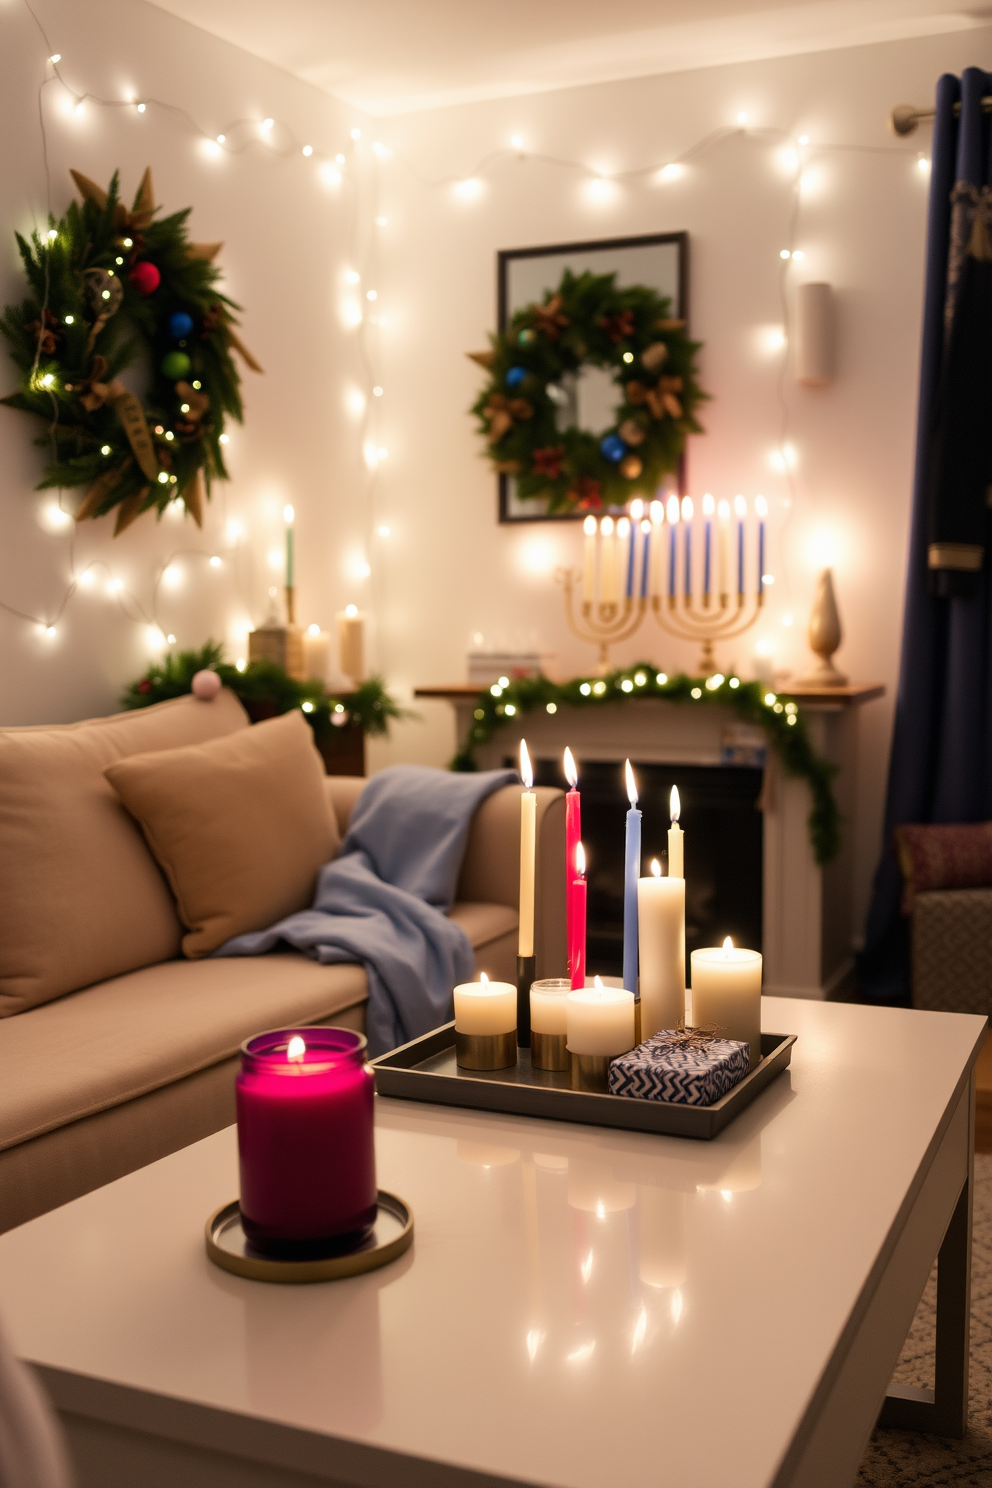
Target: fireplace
{"x": 723, "y": 825}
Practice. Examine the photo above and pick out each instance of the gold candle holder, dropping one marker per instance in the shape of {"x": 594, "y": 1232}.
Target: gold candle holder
{"x": 486, "y": 1051}
{"x": 590, "y": 1072}
{"x": 548, "y": 1051}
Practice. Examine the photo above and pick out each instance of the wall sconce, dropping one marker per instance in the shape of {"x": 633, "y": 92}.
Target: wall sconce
{"x": 814, "y": 335}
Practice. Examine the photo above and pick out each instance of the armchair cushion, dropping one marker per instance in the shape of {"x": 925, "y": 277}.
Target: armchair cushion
{"x": 957, "y": 856}
{"x": 240, "y": 826}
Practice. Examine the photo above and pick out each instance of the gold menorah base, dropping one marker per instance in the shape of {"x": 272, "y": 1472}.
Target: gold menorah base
{"x": 604, "y": 623}
{"x": 688, "y": 623}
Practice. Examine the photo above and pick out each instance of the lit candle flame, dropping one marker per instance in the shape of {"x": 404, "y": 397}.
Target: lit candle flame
{"x": 636, "y": 509}
{"x": 656, "y": 867}
{"x": 673, "y": 510}
{"x": 645, "y": 526}
{"x": 598, "y": 984}
{"x": 483, "y": 979}
{"x": 687, "y": 509}
{"x": 674, "y": 805}
{"x": 631, "y": 784}
{"x": 571, "y": 773}
{"x": 728, "y": 946}
{"x": 606, "y": 526}
{"x": 723, "y": 511}
{"x": 623, "y": 527}
{"x": 761, "y": 506}
{"x": 740, "y": 506}
{"x": 580, "y": 860}
{"x": 288, "y": 515}
{"x": 657, "y": 510}
{"x": 526, "y": 770}
{"x": 709, "y": 505}
{"x": 589, "y": 526}
{"x": 296, "y": 1048}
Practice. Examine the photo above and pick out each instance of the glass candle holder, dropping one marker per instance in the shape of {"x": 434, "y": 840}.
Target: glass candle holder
{"x": 306, "y": 1142}
{"x": 548, "y": 1026}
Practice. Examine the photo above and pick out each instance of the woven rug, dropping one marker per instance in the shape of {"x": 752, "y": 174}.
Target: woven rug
{"x": 907, "y": 1459}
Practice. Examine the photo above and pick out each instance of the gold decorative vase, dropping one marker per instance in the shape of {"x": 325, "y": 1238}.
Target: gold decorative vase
{"x": 825, "y": 635}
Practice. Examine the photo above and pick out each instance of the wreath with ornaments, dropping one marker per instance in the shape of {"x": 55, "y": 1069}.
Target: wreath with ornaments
{"x": 119, "y": 300}
{"x": 526, "y": 411}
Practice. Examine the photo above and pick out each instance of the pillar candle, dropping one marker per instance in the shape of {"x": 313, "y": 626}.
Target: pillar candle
{"x": 632, "y": 871}
{"x": 573, "y": 835}
{"x": 528, "y": 838}
{"x": 600, "y": 1020}
{"x": 661, "y": 939}
{"x": 316, "y": 653}
{"x": 589, "y": 560}
{"x": 726, "y": 993}
{"x": 723, "y": 561}
{"x": 740, "y": 512}
{"x": 626, "y": 537}
{"x": 305, "y": 1136}
{"x": 577, "y": 942}
{"x": 676, "y": 866}
{"x": 609, "y": 586}
{"x": 289, "y": 517}
{"x": 351, "y": 643}
{"x": 485, "y": 1007}
{"x": 761, "y": 509}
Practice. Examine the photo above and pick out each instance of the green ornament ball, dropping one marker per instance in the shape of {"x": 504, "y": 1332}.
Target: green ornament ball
{"x": 175, "y": 364}
{"x": 526, "y": 336}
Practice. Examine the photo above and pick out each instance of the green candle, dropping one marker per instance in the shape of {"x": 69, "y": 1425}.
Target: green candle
{"x": 288, "y": 516}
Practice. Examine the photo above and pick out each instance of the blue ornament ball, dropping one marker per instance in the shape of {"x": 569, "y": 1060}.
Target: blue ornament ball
{"x": 515, "y": 376}
{"x": 612, "y": 448}
{"x": 180, "y": 325}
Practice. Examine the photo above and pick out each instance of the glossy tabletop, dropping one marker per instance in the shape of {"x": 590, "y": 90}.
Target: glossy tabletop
{"x": 580, "y": 1305}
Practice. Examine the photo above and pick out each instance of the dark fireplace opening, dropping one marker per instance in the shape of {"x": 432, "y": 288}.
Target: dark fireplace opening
{"x": 723, "y": 849}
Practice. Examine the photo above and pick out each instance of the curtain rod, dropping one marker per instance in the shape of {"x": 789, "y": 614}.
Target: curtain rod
{"x": 904, "y": 118}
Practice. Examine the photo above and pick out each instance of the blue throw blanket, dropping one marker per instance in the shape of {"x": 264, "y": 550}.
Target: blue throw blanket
{"x": 383, "y": 900}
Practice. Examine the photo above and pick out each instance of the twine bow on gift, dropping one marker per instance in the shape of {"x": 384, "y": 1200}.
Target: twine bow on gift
{"x": 694, "y": 1038}
{"x": 501, "y": 412}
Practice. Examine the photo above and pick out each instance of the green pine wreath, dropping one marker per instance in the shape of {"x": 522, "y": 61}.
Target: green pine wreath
{"x": 113, "y": 289}
{"x": 589, "y": 322}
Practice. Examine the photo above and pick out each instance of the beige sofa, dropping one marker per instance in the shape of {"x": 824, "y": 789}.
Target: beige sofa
{"x": 129, "y": 1052}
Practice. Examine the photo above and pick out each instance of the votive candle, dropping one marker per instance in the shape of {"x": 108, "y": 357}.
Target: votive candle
{"x": 600, "y": 1020}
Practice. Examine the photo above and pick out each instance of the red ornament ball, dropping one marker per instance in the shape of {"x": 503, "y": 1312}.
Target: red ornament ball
{"x": 145, "y": 278}
{"x": 206, "y": 685}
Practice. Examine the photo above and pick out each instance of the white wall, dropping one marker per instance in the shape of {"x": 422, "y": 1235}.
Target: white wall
{"x": 288, "y": 240}
{"x": 450, "y": 570}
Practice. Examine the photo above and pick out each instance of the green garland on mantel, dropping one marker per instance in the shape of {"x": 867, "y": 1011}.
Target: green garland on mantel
{"x": 754, "y": 702}
{"x": 264, "y": 687}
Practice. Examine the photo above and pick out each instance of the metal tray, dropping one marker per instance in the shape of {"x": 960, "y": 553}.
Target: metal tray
{"x": 425, "y": 1070}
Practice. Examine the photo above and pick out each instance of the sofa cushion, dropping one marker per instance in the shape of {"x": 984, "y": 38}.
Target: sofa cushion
{"x": 110, "y": 1043}
{"x": 81, "y": 898}
{"x": 240, "y": 826}
{"x": 943, "y": 856}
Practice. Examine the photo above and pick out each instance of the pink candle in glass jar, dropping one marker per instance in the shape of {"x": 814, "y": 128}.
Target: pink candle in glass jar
{"x": 305, "y": 1139}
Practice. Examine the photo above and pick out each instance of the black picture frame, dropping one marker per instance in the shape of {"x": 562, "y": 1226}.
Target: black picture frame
{"x": 505, "y": 257}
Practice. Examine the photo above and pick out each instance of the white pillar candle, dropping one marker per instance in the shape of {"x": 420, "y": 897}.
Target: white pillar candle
{"x": 676, "y": 865}
{"x": 661, "y": 940}
{"x": 351, "y": 643}
{"x": 528, "y": 848}
{"x": 316, "y": 653}
{"x": 600, "y": 1020}
{"x": 726, "y": 993}
{"x": 485, "y": 1007}
{"x": 549, "y": 1007}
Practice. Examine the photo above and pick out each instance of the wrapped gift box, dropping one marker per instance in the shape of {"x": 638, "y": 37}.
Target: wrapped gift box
{"x": 685, "y": 1070}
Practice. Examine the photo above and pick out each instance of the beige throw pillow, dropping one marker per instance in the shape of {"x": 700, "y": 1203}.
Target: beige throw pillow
{"x": 240, "y": 826}
{"x": 81, "y": 897}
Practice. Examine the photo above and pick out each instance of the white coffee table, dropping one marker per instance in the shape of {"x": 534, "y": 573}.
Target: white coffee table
{"x": 581, "y": 1306}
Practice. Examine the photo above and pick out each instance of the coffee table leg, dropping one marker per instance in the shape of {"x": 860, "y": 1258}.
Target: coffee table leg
{"x": 943, "y": 1411}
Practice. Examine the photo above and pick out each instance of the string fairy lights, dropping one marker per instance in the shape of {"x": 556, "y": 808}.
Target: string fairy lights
{"x": 361, "y": 308}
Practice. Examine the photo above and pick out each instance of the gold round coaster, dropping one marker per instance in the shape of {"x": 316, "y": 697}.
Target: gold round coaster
{"x": 228, "y": 1247}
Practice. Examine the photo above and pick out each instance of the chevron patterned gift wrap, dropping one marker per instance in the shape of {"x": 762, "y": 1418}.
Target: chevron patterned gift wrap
{"x": 665, "y": 1068}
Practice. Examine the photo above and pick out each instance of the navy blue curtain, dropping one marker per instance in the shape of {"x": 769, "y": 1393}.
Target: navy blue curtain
{"x": 940, "y": 768}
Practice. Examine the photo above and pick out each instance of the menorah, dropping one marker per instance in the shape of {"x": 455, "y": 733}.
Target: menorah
{"x": 696, "y": 589}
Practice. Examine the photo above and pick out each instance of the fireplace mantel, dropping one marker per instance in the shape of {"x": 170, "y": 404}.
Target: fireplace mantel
{"x": 808, "y": 925}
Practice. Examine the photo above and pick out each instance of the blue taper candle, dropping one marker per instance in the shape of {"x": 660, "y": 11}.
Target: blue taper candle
{"x": 631, "y": 873}
{"x": 645, "y": 557}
